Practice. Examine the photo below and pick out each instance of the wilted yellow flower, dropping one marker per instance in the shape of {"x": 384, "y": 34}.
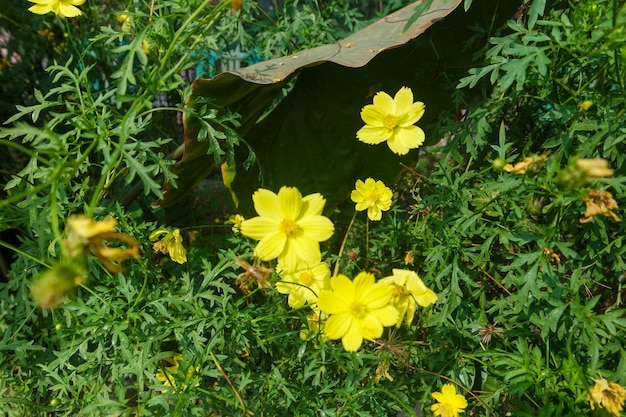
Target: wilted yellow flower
{"x": 529, "y": 164}
{"x": 84, "y": 233}
{"x": 392, "y": 120}
{"x": 145, "y": 46}
{"x": 358, "y": 310}
{"x": 408, "y": 292}
{"x": 599, "y": 202}
{"x": 594, "y": 168}
{"x": 50, "y": 288}
{"x": 169, "y": 374}
{"x": 289, "y": 227}
{"x": 171, "y": 244}
{"x": 586, "y": 105}
{"x": 372, "y": 196}
{"x": 449, "y": 403}
{"x": 304, "y": 283}
{"x": 62, "y": 8}
{"x": 608, "y": 395}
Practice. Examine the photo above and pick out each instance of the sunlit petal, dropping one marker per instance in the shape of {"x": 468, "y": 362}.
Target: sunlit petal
{"x": 353, "y": 339}
{"x": 266, "y": 204}
{"x": 372, "y": 116}
{"x": 373, "y": 135}
{"x": 259, "y": 227}
{"x": 271, "y": 246}
{"x": 290, "y": 202}
{"x": 403, "y": 101}
{"x": 337, "y": 325}
{"x": 384, "y": 103}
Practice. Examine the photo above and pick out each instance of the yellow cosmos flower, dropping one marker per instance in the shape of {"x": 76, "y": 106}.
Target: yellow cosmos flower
{"x": 449, "y": 403}
{"x": 586, "y": 105}
{"x": 84, "y": 233}
{"x": 608, "y": 395}
{"x": 529, "y": 164}
{"x": 171, "y": 244}
{"x": 358, "y": 310}
{"x": 392, "y": 120}
{"x": 408, "y": 292}
{"x": 170, "y": 374}
{"x": 304, "y": 284}
{"x": 372, "y": 196}
{"x": 289, "y": 227}
{"x": 62, "y": 8}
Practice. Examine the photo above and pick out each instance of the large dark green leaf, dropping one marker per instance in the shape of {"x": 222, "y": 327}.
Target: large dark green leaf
{"x": 309, "y": 139}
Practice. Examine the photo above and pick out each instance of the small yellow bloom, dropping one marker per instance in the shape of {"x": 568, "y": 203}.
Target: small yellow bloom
{"x": 289, "y": 227}
{"x": 408, "y": 292}
{"x": 62, "y": 8}
{"x": 594, "y": 168}
{"x": 84, "y": 233}
{"x": 529, "y": 164}
{"x": 358, "y": 309}
{"x": 235, "y": 220}
{"x": 124, "y": 19}
{"x": 449, "y": 403}
{"x": 372, "y": 196}
{"x": 393, "y": 120}
{"x": 304, "y": 284}
{"x": 170, "y": 374}
{"x": 608, "y": 395}
{"x": 145, "y": 46}
{"x": 171, "y": 244}
{"x": 586, "y": 105}
{"x": 599, "y": 202}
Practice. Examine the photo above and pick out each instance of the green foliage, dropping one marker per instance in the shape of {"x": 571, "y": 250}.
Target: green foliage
{"x": 530, "y": 299}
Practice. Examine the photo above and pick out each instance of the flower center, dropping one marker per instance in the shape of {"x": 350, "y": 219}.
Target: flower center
{"x": 288, "y": 226}
{"x": 357, "y": 310}
{"x": 306, "y": 278}
{"x": 373, "y": 198}
{"x": 398, "y": 291}
{"x": 390, "y": 121}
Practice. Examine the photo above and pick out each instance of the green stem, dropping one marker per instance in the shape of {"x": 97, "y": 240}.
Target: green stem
{"x": 343, "y": 245}
{"x": 22, "y": 253}
{"x": 27, "y": 151}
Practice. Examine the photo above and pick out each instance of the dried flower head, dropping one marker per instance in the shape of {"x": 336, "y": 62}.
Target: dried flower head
{"x": 528, "y": 165}
{"x": 599, "y": 202}
{"x": 608, "y": 395}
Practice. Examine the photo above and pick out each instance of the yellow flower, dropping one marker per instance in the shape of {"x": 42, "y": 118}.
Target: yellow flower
{"x": 408, "y": 292}
{"x": 304, "y": 283}
{"x": 171, "y": 244}
{"x": 62, "y": 8}
{"x": 358, "y": 309}
{"x": 594, "y": 168}
{"x": 170, "y": 374}
{"x": 529, "y": 164}
{"x": 289, "y": 227}
{"x": 84, "y": 233}
{"x": 372, "y": 196}
{"x": 392, "y": 120}
{"x": 124, "y": 19}
{"x": 599, "y": 202}
{"x": 608, "y": 395}
{"x": 235, "y": 220}
{"x": 449, "y": 403}
{"x": 586, "y": 105}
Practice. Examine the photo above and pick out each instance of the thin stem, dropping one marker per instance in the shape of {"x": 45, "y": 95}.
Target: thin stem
{"x": 27, "y": 151}
{"x": 343, "y": 245}
{"x": 24, "y": 254}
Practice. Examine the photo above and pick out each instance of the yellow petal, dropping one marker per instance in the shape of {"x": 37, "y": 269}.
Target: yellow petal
{"x": 312, "y": 205}
{"x": 415, "y": 113}
{"x": 332, "y": 303}
{"x": 353, "y": 339}
{"x": 370, "y": 327}
{"x": 318, "y": 228}
{"x": 342, "y": 285}
{"x": 290, "y": 202}
{"x": 271, "y": 246}
{"x": 388, "y": 315}
{"x": 337, "y": 325}
{"x": 403, "y": 101}
{"x": 426, "y": 298}
{"x": 266, "y": 204}
{"x": 362, "y": 284}
{"x": 259, "y": 227}
{"x": 384, "y": 103}
{"x": 404, "y": 139}
{"x": 67, "y": 10}
{"x": 40, "y": 9}
{"x": 373, "y": 135}
{"x": 372, "y": 116}
{"x": 373, "y": 213}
